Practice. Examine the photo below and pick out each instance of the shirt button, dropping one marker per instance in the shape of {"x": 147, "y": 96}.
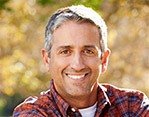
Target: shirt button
{"x": 73, "y": 110}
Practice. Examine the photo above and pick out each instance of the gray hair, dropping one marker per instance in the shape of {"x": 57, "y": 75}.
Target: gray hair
{"x": 78, "y": 13}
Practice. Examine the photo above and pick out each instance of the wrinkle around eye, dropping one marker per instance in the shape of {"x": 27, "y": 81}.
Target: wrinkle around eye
{"x": 89, "y": 52}
{"x": 64, "y": 52}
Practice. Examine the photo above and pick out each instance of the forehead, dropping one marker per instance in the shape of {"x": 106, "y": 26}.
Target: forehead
{"x": 76, "y": 34}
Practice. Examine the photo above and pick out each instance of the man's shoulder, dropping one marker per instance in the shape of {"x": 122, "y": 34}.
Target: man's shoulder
{"x": 124, "y": 91}
{"x": 44, "y": 97}
{"x": 125, "y": 96}
{"x": 127, "y": 101}
{"x": 35, "y": 104}
{"x": 114, "y": 90}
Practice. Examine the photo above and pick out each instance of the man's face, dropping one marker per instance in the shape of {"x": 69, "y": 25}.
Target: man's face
{"x": 75, "y": 58}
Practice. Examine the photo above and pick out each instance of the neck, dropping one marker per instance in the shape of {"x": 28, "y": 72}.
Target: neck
{"x": 83, "y": 101}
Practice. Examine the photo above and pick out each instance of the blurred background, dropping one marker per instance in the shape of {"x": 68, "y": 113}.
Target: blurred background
{"x": 22, "y": 23}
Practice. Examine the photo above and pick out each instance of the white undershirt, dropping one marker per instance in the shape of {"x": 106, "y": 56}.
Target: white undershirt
{"x": 88, "y": 112}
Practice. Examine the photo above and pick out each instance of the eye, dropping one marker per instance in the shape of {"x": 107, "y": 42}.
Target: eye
{"x": 89, "y": 52}
{"x": 65, "y": 52}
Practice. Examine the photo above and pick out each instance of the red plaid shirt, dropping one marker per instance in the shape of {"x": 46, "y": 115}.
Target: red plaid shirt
{"x": 112, "y": 102}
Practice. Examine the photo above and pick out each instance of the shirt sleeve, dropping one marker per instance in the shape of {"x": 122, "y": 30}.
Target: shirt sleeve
{"x": 139, "y": 105}
{"x": 29, "y": 109}
{"x": 144, "y": 108}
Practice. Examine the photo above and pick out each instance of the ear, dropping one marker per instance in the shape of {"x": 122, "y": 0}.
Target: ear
{"x": 45, "y": 58}
{"x": 105, "y": 59}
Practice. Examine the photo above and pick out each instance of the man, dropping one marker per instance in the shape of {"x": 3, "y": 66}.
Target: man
{"x": 75, "y": 54}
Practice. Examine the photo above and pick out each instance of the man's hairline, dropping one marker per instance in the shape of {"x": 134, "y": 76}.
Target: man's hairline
{"x": 77, "y": 21}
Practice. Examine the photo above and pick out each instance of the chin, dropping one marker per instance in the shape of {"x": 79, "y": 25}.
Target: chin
{"x": 80, "y": 92}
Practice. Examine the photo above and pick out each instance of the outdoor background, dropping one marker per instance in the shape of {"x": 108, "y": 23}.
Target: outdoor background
{"x": 22, "y": 23}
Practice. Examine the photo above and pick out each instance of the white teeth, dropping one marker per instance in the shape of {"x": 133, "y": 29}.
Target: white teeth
{"x": 76, "y": 76}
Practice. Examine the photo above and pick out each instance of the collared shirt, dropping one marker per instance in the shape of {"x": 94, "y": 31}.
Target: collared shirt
{"x": 112, "y": 102}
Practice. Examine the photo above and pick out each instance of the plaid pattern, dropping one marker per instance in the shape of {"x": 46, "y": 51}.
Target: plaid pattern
{"x": 112, "y": 102}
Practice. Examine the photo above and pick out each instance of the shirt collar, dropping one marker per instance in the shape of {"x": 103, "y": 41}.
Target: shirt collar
{"x": 103, "y": 91}
{"x": 102, "y": 99}
{"x": 61, "y": 103}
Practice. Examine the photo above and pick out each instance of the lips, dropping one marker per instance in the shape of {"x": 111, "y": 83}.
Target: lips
{"x": 77, "y": 76}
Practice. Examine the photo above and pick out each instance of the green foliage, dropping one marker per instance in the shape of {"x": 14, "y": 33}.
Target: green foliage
{"x": 3, "y": 4}
{"x": 95, "y": 4}
{"x": 7, "y": 104}
{"x": 45, "y": 2}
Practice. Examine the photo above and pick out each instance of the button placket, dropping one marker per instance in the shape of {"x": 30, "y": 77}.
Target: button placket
{"x": 73, "y": 110}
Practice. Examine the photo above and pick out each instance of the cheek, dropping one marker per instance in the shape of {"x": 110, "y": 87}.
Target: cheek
{"x": 95, "y": 66}
{"x": 57, "y": 64}
{"x": 94, "y": 63}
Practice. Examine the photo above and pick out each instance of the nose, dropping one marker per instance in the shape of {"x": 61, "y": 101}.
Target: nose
{"x": 77, "y": 62}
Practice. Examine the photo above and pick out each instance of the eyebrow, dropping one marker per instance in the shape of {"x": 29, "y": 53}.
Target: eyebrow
{"x": 90, "y": 46}
{"x": 64, "y": 47}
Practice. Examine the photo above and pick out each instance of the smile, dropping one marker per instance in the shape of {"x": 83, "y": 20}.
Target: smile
{"x": 76, "y": 76}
